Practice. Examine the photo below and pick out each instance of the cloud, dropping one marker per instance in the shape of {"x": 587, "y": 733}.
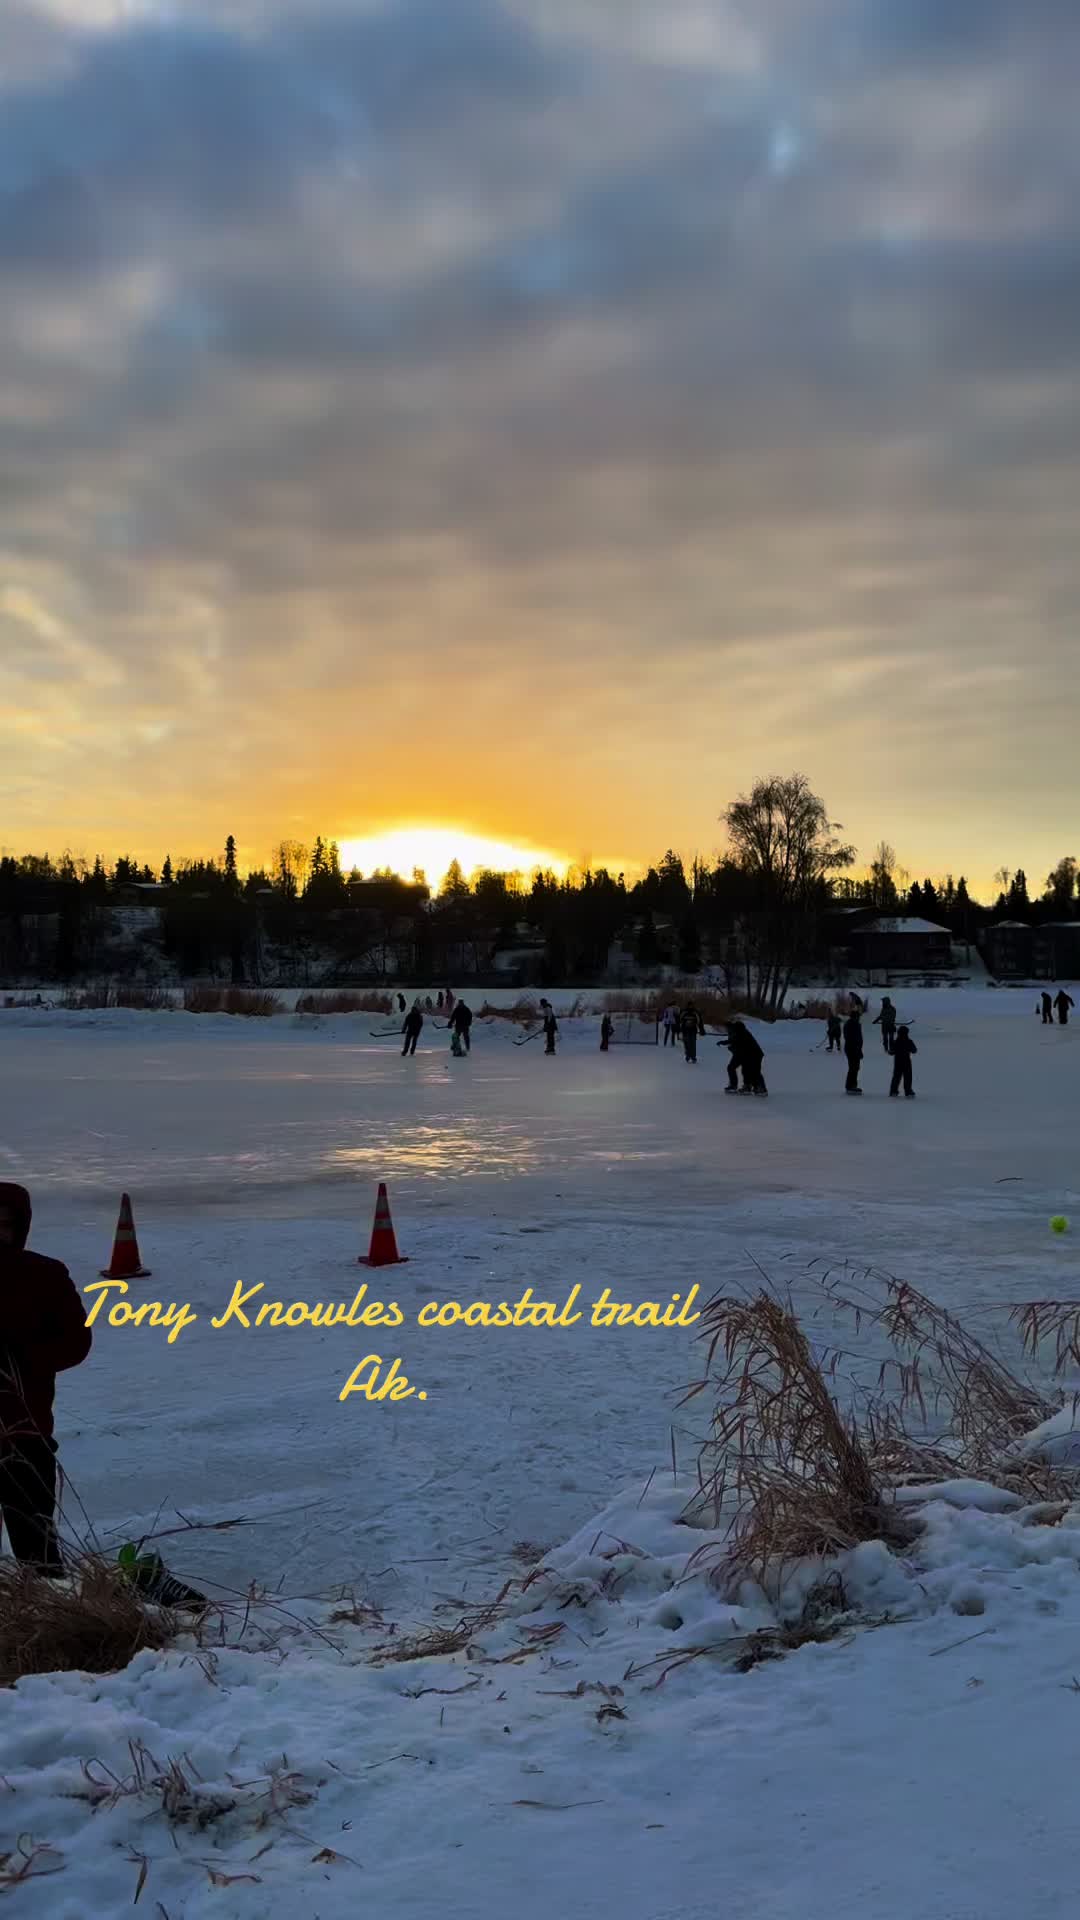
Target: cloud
{"x": 702, "y": 346}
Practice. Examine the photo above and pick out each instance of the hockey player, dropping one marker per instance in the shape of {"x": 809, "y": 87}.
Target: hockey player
{"x": 886, "y": 1020}
{"x": 1047, "y": 1010}
{"x": 835, "y": 1028}
{"x": 551, "y": 1026}
{"x": 668, "y": 1022}
{"x": 691, "y": 1025}
{"x": 1062, "y": 1002}
{"x": 853, "y": 1049}
{"x": 747, "y": 1056}
{"x": 903, "y": 1048}
{"x": 412, "y": 1029}
{"x": 461, "y": 1024}
{"x": 607, "y": 1028}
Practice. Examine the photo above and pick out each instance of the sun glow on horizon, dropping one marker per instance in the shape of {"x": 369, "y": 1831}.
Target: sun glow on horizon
{"x": 431, "y": 849}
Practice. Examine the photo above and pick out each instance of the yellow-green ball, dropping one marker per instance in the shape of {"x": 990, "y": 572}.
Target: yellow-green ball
{"x": 1059, "y": 1224}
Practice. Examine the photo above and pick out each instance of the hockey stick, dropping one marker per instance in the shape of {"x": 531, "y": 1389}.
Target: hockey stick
{"x": 535, "y": 1035}
{"x": 384, "y": 1033}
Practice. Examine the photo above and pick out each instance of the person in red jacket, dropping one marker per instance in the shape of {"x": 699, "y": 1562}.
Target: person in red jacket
{"x": 43, "y": 1331}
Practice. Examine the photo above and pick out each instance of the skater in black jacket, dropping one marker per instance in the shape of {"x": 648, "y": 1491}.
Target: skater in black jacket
{"x": 903, "y": 1049}
{"x": 747, "y": 1055}
{"x": 412, "y": 1029}
{"x": 461, "y": 1024}
{"x": 1047, "y": 1010}
{"x": 1063, "y": 1003}
{"x": 853, "y": 1048}
{"x": 835, "y": 1031}
{"x": 607, "y": 1028}
{"x": 690, "y": 1026}
{"x": 886, "y": 1020}
{"x": 551, "y": 1026}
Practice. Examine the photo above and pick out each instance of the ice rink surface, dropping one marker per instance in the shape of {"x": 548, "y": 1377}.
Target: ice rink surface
{"x": 252, "y": 1151}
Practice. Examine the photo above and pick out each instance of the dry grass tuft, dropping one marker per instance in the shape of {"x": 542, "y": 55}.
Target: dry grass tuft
{"x": 248, "y": 1002}
{"x": 93, "y": 1622}
{"x": 94, "y": 999}
{"x": 346, "y": 1001}
{"x": 794, "y": 1473}
{"x": 795, "y": 1477}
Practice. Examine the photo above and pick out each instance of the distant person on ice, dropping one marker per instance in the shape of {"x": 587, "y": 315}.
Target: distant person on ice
{"x": 401, "y": 1002}
{"x": 1062, "y": 1002}
{"x": 886, "y": 1020}
{"x": 1047, "y": 1008}
{"x": 43, "y": 1332}
{"x": 853, "y": 1049}
{"x": 461, "y": 1024}
{"x": 668, "y": 1022}
{"x": 414, "y": 1026}
{"x": 835, "y": 1030}
{"x": 551, "y": 1026}
{"x": 902, "y": 1051}
{"x": 607, "y": 1028}
{"x": 449, "y": 1000}
{"x": 692, "y": 1025}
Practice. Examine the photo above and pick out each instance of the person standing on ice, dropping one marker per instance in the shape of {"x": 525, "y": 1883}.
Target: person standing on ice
{"x": 607, "y": 1028}
{"x": 903, "y": 1049}
{"x": 448, "y": 1000}
{"x": 401, "y": 1003}
{"x": 551, "y": 1026}
{"x": 439, "y": 1000}
{"x": 853, "y": 1049}
{"x": 886, "y": 1020}
{"x": 1047, "y": 1010}
{"x": 413, "y": 1027}
{"x": 461, "y": 1023}
{"x": 1062, "y": 1002}
{"x": 43, "y": 1332}
{"x": 668, "y": 1023}
{"x": 835, "y": 1029}
{"x": 692, "y": 1025}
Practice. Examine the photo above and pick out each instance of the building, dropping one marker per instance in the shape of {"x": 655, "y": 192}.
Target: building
{"x": 900, "y": 944}
{"x": 1009, "y": 950}
{"x": 1057, "y": 954}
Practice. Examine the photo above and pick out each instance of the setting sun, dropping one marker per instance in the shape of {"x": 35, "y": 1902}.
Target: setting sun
{"x": 431, "y": 849}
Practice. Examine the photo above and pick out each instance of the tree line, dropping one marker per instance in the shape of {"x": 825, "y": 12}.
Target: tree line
{"x": 757, "y": 911}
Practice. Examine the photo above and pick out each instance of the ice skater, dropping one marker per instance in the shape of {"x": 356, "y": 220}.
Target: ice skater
{"x": 461, "y": 1024}
{"x": 835, "y": 1029}
{"x": 551, "y": 1025}
{"x": 401, "y": 1003}
{"x": 853, "y": 1049}
{"x": 691, "y": 1025}
{"x": 1062, "y": 1002}
{"x": 903, "y": 1049}
{"x": 747, "y": 1056}
{"x": 1047, "y": 1010}
{"x": 607, "y": 1028}
{"x": 43, "y": 1332}
{"x": 668, "y": 1020}
{"x": 886, "y": 1020}
{"x": 412, "y": 1029}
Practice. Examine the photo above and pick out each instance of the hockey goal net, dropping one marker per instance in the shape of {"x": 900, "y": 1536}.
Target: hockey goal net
{"x": 632, "y": 1030}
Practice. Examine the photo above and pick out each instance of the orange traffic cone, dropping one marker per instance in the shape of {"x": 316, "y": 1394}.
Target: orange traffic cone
{"x": 125, "y": 1263}
{"x": 383, "y": 1251}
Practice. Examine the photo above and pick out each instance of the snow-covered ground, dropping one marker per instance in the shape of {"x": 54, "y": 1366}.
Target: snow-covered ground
{"x": 873, "y": 1776}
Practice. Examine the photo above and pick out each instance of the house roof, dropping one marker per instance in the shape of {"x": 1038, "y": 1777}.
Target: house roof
{"x": 904, "y": 923}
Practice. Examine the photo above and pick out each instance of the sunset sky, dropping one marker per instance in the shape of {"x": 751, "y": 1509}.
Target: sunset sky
{"x": 539, "y": 419}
